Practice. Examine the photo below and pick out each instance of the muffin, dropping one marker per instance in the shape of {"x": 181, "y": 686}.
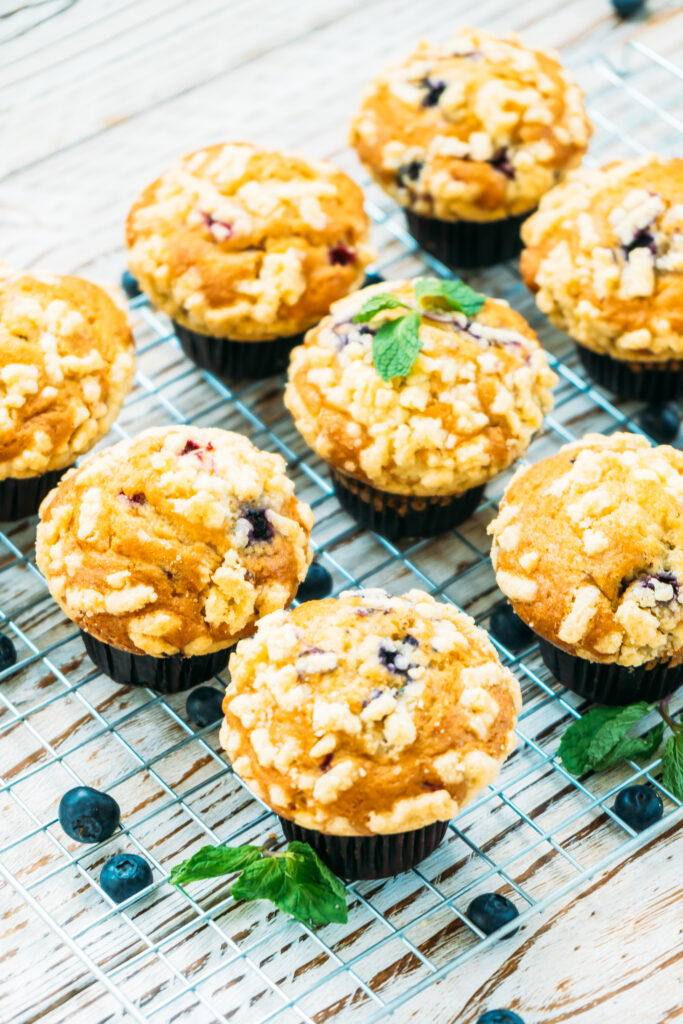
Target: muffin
{"x": 468, "y": 136}
{"x": 245, "y": 248}
{"x": 410, "y": 455}
{"x": 366, "y": 722}
{"x": 588, "y": 547}
{"x": 165, "y": 549}
{"x": 604, "y": 257}
{"x": 66, "y": 365}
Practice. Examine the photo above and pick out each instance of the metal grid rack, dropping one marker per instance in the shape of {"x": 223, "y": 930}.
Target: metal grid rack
{"x": 535, "y": 835}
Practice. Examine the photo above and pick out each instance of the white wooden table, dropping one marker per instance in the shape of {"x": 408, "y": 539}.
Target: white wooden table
{"x": 95, "y": 99}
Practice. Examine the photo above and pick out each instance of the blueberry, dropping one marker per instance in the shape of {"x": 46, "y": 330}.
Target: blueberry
{"x": 491, "y": 911}
{"x": 8, "y": 654}
{"x": 499, "y": 1017}
{"x": 625, "y": 8}
{"x": 318, "y": 584}
{"x": 87, "y": 815}
{"x": 661, "y": 422}
{"x": 508, "y": 628}
{"x": 260, "y": 527}
{"x": 373, "y": 279}
{"x": 130, "y": 284}
{"x": 639, "y": 806}
{"x": 643, "y": 239}
{"x": 125, "y": 874}
{"x": 501, "y": 162}
{"x": 409, "y": 172}
{"x": 204, "y": 705}
{"x": 433, "y": 93}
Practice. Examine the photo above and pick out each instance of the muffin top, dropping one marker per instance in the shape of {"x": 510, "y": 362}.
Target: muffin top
{"x": 369, "y": 713}
{"x": 475, "y": 129}
{"x": 588, "y": 546}
{"x": 66, "y": 365}
{"x": 174, "y": 541}
{"x": 242, "y": 242}
{"x": 605, "y": 258}
{"x": 465, "y": 409}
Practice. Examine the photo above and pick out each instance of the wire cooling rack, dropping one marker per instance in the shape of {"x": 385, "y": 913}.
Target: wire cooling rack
{"x": 535, "y": 835}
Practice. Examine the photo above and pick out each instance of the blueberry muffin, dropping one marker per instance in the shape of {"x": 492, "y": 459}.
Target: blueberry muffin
{"x": 588, "y": 547}
{"x": 410, "y": 454}
{"x": 604, "y": 258}
{"x": 366, "y": 722}
{"x": 66, "y": 365}
{"x": 245, "y": 248}
{"x": 165, "y": 550}
{"x": 468, "y": 136}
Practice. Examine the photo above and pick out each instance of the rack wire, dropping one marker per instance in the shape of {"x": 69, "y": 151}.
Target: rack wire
{"x": 535, "y": 835}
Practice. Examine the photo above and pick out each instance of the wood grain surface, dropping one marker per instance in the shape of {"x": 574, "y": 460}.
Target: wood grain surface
{"x": 95, "y": 99}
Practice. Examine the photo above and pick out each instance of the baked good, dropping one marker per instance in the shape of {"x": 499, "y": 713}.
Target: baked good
{"x": 165, "y": 549}
{"x": 468, "y": 136}
{"x": 604, "y": 258}
{"x": 410, "y": 455}
{"x": 242, "y": 245}
{"x": 588, "y": 547}
{"x": 66, "y": 365}
{"x": 367, "y": 721}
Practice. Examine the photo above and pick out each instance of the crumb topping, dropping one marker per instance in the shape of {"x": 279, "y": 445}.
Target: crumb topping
{"x": 469, "y": 407}
{"x": 368, "y": 723}
{"x": 476, "y": 129}
{"x": 602, "y": 520}
{"x": 145, "y": 545}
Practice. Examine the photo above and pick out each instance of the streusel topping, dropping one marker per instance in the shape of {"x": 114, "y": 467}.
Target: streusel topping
{"x": 177, "y": 540}
{"x": 369, "y": 713}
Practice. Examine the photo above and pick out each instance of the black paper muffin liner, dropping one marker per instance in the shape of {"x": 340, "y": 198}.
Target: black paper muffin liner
{"x": 645, "y": 382}
{"x": 468, "y": 243}
{"x": 21, "y": 497}
{"x": 357, "y": 857}
{"x": 611, "y": 684}
{"x": 169, "y": 674}
{"x": 401, "y": 515}
{"x": 236, "y": 360}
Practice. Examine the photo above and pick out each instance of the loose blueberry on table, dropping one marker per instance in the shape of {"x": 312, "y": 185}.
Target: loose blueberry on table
{"x": 499, "y": 1017}
{"x": 372, "y": 279}
{"x": 661, "y": 422}
{"x": 317, "y": 584}
{"x": 125, "y": 875}
{"x": 639, "y": 806}
{"x": 204, "y": 705}
{"x": 8, "y": 654}
{"x": 88, "y": 815}
{"x": 508, "y": 629}
{"x": 490, "y": 911}
{"x": 625, "y": 8}
{"x": 129, "y": 284}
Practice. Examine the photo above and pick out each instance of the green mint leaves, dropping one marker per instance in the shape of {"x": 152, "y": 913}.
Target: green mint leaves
{"x": 396, "y": 343}
{"x": 672, "y": 765}
{"x": 295, "y": 880}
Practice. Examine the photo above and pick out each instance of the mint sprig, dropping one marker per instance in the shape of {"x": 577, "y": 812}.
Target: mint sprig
{"x": 396, "y": 343}
{"x": 672, "y": 765}
{"x": 295, "y": 879}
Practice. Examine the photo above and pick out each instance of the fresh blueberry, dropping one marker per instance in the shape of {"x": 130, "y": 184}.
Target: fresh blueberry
{"x": 318, "y": 584}
{"x": 87, "y": 815}
{"x": 661, "y": 422}
{"x": 125, "y": 874}
{"x": 373, "y": 279}
{"x": 508, "y": 628}
{"x": 499, "y": 1017}
{"x": 625, "y": 8}
{"x": 204, "y": 705}
{"x": 130, "y": 284}
{"x": 639, "y": 806}
{"x": 491, "y": 911}
{"x": 8, "y": 654}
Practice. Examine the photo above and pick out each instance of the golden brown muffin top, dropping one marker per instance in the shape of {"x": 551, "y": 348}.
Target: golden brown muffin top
{"x": 174, "y": 541}
{"x": 248, "y": 243}
{"x": 475, "y": 129}
{"x": 66, "y": 364}
{"x": 369, "y": 713}
{"x": 588, "y": 547}
{"x": 467, "y": 409}
{"x": 605, "y": 258}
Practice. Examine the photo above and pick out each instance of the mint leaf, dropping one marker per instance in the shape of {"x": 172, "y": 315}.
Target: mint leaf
{"x": 672, "y": 765}
{"x": 211, "y": 861}
{"x": 395, "y": 346}
{"x": 593, "y": 741}
{"x": 639, "y": 747}
{"x": 449, "y": 295}
{"x": 374, "y": 305}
